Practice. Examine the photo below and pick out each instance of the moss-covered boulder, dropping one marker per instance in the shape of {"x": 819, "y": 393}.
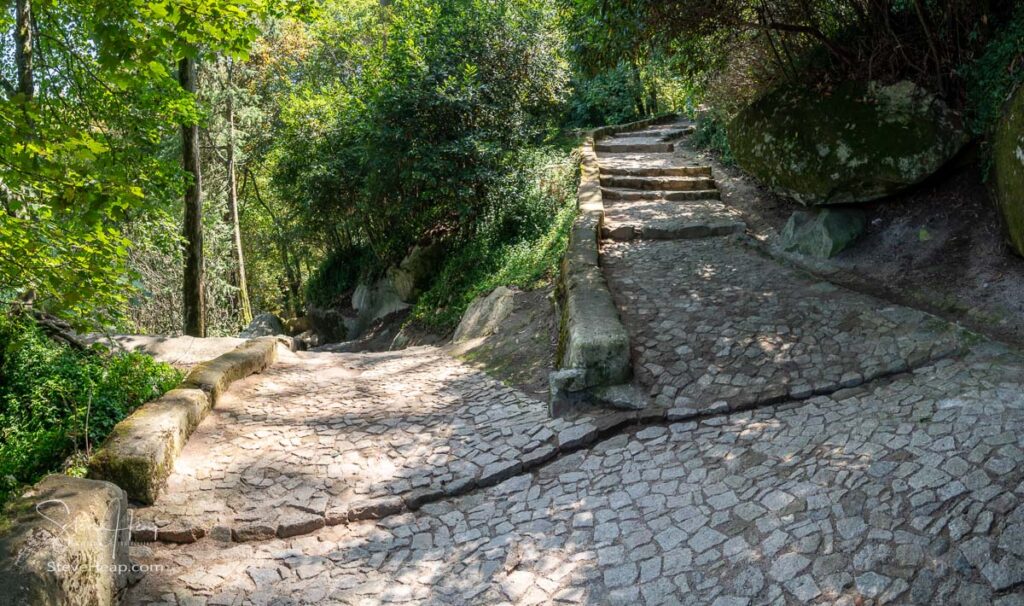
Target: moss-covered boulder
{"x": 823, "y": 233}
{"x": 860, "y": 141}
{"x": 1008, "y": 169}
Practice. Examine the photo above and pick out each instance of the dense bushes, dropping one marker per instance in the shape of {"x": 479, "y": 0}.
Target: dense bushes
{"x": 614, "y": 96}
{"x": 435, "y": 98}
{"x": 711, "y": 134}
{"x": 518, "y": 240}
{"x": 735, "y": 50}
{"x": 55, "y": 400}
{"x": 338, "y": 273}
{"x": 995, "y": 74}
{"x": 424, "y": 121}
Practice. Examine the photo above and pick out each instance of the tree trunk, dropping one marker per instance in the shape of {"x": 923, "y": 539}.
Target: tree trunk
{"x": 23, "y": 48}
{"x": 243, "y": 289}
{"x": 193, "y": 292}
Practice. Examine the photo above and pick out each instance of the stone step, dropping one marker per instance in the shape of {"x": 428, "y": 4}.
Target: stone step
{"x": 613, "y": 193}
{"x": 670, "y": 183}
{"x": 672, "y": 230}
{"x": 649, "y": 146}
{"x": 665, "y": 134}
{"x": 657, "y": 171}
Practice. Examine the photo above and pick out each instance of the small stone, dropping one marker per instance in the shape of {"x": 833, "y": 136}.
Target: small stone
{"x": 374, "y": 509}
{"x": 871, "y": 584}
{"x": 705, "y": 539}
{"x": 621, "y": 575}
{"x": 577, "y": 435}
{"x": 787, "y": 566}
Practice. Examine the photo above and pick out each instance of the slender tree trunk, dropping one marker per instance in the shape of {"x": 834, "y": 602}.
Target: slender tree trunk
{"x": 23, "y": 48}
{"x": 193, "y": 291}
{"x": 243, "y": 289}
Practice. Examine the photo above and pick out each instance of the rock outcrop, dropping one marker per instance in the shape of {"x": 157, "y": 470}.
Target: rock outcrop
{"x": 412, "y": 276}
{"x": 264, "y": 325}
{"x": 823, "y": 233}
{"x": 485, "y": 314}
{"x": 1008, "y": 169}
{"x": 858, "y": 142}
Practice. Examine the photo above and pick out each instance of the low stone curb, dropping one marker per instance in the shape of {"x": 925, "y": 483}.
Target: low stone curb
{"x": 139, "y": 454}
{"x": 593, "y": 343}
{"x": 66, "y": 544}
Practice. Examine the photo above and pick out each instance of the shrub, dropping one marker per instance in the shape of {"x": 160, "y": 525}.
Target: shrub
{"x": 417, "y": 134}
{"x": 518, "y": 242}
{"x": 995, "y": 75}
{"x": 338, "y": 273}
{"x": 55, "y": 400}
{"x": 610, "y": 97}
{"x": 711, "y": 134}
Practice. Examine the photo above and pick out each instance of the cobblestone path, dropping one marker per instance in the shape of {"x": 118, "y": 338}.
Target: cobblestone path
{"x": 715, "y": 326}
{"x": 846, "y": 451}
{"x": 906, "y": 492}
{"x": 324, "y": 438}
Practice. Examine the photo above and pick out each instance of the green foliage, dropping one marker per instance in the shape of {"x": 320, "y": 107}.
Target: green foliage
{"x": 519, "y": 240}
{"x": 613, "y": 96}
{"x": 995, "y": 75}
{"x": 711, "y": 134}
{"x": 736, "y": 49}
{"x": 86, "y": 151}
{"x": 337, "y": 274}
{"x": 55, "y": 400}
{"x": 411, "y": 127}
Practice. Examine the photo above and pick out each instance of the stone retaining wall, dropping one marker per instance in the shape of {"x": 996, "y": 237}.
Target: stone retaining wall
{"x": 140, "y": 452}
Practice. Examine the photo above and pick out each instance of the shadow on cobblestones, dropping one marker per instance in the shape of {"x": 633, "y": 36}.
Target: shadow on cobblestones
{"x": 903, "y": 491}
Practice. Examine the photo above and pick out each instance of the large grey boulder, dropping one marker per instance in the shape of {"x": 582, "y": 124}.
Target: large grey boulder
{"x": 372, "y": 302}
{"x": 857, "y": 142}
{"x": 264, "y": 325}
{"x": 485, "y": 314}
{"x": 1008, "y": 169}
{"x": 329, "y": 324}
{"x": 67, "y": 545}
{"x": 414, "y": 273}
{"x": 823, "y": 233}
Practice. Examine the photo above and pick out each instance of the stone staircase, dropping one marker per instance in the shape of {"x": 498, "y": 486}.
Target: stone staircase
{"x": 651, "y": 193}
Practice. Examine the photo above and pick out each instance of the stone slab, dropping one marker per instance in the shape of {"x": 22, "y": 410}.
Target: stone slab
{"x": 592, "y": 336}
{"x": 660, "y": 219}
{"x": 66, "y": 545}
{"x": 139, "y": 453}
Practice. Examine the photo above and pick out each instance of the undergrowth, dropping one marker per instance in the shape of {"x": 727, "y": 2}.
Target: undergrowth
{"x": 995, "y": 75}
{"x": 337, "y": 274}
{"x": 711, "y": 135}
{"x": 56, "y": 401}
{"x": 519, "y": 242}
